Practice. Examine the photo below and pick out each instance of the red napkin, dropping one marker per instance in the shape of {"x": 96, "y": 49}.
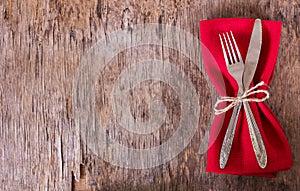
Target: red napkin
{"x": 242, "y": 160}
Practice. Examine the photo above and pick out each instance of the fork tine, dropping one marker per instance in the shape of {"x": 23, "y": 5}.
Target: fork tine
{"x": 232, "y": 49}
{"x": 224, "y": 51}
{"x": 236, "y": 47}
{"x": 228, "y": 50}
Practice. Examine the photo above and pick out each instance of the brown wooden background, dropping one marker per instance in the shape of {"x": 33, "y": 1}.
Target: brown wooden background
{"x": 41, "y": 45}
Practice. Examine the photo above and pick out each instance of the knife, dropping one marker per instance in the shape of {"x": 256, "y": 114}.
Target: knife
{"x": 249, "y": 71}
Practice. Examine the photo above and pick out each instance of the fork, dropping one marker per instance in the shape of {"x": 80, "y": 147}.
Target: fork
{"x": 235, "y": 67}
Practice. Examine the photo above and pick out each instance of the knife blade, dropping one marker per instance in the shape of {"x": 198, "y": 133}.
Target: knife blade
{"x": 253, "y": 53}
{"x": 251, "y": 62}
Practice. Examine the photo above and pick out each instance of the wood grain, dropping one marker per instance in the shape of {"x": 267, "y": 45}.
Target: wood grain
{"x": 42, "y": 44}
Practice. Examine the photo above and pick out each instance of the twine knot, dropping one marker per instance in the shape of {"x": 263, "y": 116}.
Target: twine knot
{"x": 240, "y": 99}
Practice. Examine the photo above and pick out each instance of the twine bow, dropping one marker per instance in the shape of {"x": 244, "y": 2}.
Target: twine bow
{"x": 245, "y": 97}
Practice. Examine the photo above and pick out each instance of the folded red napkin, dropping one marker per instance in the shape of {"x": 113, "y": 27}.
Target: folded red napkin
{"x": 242, "y": 160}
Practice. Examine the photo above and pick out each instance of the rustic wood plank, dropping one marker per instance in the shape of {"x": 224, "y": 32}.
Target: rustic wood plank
{"x": 42, "y": 44}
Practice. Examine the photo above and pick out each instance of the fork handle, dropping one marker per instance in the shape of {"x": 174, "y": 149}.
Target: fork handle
{"x": 228, "y": 139}
{"x": 256, "y": 139}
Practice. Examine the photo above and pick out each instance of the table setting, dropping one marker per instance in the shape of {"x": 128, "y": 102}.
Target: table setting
{"x": 239, "y": 57}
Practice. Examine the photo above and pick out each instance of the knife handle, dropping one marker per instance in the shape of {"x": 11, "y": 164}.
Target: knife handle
{"x": 256, "y": 139}
{"x": 228, "y": 139}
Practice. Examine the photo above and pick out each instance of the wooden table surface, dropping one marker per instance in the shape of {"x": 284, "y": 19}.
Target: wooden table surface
{"x": 42, "y": 45}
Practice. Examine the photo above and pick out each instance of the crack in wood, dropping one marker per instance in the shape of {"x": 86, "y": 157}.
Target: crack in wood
{"x": 79, "y": 185}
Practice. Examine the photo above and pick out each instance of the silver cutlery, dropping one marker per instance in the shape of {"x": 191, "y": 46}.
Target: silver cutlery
{"x": 235, "y": 67}
{"x": 243, "y": 75}
{"x": 250, "y": 68}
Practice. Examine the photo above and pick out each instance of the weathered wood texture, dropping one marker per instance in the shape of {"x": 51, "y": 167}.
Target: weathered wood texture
{"x": 41, "y": 45}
